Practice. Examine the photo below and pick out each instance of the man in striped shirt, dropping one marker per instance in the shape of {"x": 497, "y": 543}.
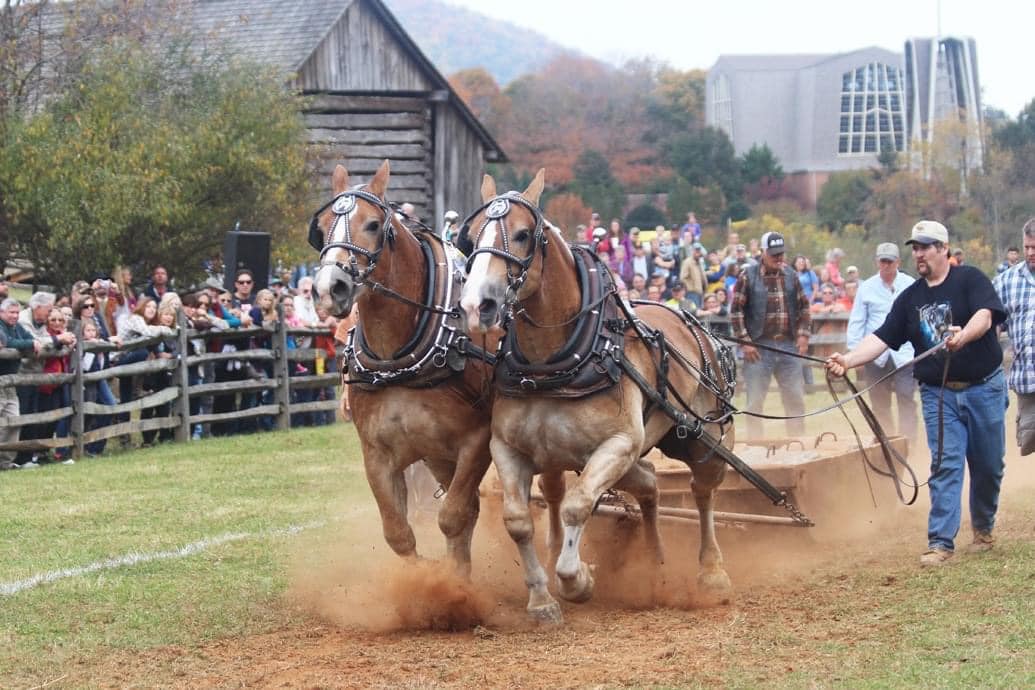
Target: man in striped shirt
{"x": 1016, "y": 289}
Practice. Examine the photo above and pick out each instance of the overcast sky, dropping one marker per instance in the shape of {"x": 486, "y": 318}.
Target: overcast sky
{"x": 689, "y": 34}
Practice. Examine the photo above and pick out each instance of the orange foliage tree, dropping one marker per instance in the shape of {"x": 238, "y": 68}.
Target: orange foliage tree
{"x": 566, "y": 211}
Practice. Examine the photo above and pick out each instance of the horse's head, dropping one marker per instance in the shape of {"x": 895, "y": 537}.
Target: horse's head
{"x": 507, "y": 233}
{"x": 350, "y": 232}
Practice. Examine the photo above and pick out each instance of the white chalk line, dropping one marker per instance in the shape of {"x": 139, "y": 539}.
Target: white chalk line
{"x": 135, "y": 558}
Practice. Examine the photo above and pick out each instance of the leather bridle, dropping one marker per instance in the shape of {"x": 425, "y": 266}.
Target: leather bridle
{"x": 342, "y": 206}
{"x": 497, "y": 209}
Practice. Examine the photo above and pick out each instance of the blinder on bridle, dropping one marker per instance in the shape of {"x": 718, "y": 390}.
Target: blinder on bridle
{"x": 497, "y": 209}
{"x": 342, "y": 206}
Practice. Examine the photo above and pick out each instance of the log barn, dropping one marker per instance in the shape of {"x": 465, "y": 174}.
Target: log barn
{"x": 370, "y": 94}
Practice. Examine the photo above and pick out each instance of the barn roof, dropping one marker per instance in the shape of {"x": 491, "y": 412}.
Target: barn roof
{"x": 285, "y": 33}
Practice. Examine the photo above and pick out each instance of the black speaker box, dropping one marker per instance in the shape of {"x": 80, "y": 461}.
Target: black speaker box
{"x": 249, "y": 250}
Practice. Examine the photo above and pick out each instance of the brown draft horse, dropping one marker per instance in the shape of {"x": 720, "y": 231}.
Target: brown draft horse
{"x": 421, "y": 403}
{"x": 521, "y": 263}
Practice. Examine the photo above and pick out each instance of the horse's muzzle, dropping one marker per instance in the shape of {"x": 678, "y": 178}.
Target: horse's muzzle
{"x": 336, "y": 289}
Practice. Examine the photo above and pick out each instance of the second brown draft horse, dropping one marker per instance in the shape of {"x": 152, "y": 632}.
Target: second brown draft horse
{"x": 596, "y": 410}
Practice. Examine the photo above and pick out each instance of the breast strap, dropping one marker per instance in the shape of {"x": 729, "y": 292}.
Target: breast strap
{"x": 438, "y": 348}
{"x": 587, "y": 363}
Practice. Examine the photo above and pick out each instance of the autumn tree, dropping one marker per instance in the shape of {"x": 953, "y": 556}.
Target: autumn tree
{"x": 483, "y": 96}
{"x": 843, "y": 199}
{"x": 595, "y": 184}
{"x": 567, "y": 211}
{"x": 676, "y": 103}
{"x": 705, "y": 158}
{"x": 151, "y": 158}
{"x": 1018, "y": 138}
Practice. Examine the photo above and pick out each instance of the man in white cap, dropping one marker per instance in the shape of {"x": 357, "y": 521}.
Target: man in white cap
{"x": 769, "y": 307}
{"x": 965, "y": 417}
{"x": 1016, "y": 287}
{"x": 871, "y": 307}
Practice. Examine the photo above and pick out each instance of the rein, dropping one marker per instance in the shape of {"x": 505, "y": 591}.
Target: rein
{"x": 891, "y": 456}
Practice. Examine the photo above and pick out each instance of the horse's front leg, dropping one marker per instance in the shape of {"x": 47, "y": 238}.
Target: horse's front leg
{"x": 605, "y": 467}
{"x": 515, "y": 472}
{"x": 389, "y": 488}
{"x": 553, "y": 486}
{"x": 459, "y": 512}
{"x": 641, "y": 482}
{"x": 713, "y": 584}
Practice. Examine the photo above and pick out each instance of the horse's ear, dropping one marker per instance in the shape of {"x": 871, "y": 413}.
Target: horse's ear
{"x": 379, "y": 184}
{"x": 340, "y": 179}
{"x": 488, "y": 188}
{"x": 535, "y": 188}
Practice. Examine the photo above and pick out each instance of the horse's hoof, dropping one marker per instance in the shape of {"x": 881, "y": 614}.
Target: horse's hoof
{"x": 546, "y": 614}
{"x": 578, "y": 589}
{"x": 714, "y": 588}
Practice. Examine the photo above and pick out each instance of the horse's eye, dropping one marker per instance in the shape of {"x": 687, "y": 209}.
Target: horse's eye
{"x": 372, "y": 227}
{"x": 521, "y": 236}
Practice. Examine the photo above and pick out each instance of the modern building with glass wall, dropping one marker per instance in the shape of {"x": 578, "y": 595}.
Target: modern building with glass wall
{"x": 826, "y": 113}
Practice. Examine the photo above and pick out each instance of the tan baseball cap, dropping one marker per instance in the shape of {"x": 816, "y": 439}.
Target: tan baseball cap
{"x": 928, "y": 232}
{"x": 888, "y": 250}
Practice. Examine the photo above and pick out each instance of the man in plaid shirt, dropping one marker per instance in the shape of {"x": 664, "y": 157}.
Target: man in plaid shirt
{"x": 770, "y": 307}
{"x": 1016, "y": 289}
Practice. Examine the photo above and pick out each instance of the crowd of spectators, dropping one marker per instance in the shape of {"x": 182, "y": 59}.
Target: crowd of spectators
{"x": 108, "y": 308}
{"x": 672, "y": 265}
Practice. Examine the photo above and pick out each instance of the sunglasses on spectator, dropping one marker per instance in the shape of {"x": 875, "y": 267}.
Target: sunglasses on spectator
{"x": 224, "y": 301}
{"x": 56, "y": 320}
{"x": 90, "y": 306}
{"x": 244, "y": 282}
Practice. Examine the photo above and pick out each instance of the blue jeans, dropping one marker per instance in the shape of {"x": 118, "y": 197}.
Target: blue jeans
{"x": 104, "y": 397}
{"x": 787, "y": 371}
{"x": 975, "y": 431}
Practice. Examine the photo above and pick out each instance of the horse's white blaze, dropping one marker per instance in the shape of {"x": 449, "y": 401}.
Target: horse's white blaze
{"x": 476, "y": 279}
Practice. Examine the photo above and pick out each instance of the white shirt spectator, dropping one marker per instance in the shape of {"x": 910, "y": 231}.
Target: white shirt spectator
{"x": 871, "y": 307}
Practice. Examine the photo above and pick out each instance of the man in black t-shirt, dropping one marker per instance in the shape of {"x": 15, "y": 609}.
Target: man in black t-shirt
{"x": 956, "y": 304}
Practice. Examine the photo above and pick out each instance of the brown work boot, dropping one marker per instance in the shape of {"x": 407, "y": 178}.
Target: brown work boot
{"x": 934, "y": 557}
{"x": 983, "y": 541}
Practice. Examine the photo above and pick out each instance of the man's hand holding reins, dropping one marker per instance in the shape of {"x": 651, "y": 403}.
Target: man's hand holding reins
{"x": 837, "y": 364}
{"x": 750, "y": 353}
{"x": 803, "y": 344}
{"x": 868, "y": 350}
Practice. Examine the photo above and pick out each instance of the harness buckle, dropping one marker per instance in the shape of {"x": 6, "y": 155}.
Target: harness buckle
{"x": 682, "y": 432}
{"x": 528, "y": 384}
{"x": 439, "y": 359}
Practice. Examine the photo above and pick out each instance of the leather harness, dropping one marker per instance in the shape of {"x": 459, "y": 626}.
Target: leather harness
{"x": 438, "y": 350}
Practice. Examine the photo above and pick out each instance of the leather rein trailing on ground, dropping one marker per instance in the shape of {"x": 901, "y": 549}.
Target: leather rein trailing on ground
{"x": 891, "y": 456}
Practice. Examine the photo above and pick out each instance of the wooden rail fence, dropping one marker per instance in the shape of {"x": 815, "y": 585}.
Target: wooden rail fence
{"x": 282, "y": 383}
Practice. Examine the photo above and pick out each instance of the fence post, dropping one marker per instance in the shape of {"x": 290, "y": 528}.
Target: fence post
{"x": 282, "y": 372}
{"x": 182, "y": 376}
{"x": 78, "y": 426}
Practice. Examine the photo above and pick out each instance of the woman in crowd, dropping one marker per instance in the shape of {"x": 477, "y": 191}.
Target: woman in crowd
{"x": 326, "y": 361}
{"x": 54, "y": 396}
{"x": 95, "y": 391}
{"x": 806, "y": 276}
{"x": 165, "y": 349}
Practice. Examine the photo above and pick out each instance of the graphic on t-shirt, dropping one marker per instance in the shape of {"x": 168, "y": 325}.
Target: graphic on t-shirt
{"x": 935, "y": 320}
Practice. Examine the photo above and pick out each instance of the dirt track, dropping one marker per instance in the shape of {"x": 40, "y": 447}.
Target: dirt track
{"x": 366, "y": 621}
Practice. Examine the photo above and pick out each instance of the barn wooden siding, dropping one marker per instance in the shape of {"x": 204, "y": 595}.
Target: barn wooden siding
{"x": 373, "y": 97}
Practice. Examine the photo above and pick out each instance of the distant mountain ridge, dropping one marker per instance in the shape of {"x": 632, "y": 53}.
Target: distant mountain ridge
{"x": 456, "y": 38}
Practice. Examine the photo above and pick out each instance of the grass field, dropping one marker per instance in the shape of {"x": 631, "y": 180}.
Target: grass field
{"x": 157, "y": 500}
{"x": 228, "y": 514}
